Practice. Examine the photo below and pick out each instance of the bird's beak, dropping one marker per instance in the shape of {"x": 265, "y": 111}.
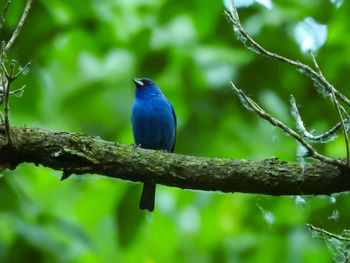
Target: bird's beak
{"x": 138, "y": 82}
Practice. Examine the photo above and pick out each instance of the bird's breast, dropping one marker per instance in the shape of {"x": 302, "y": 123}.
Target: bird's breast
{"x": 153, "y": 124}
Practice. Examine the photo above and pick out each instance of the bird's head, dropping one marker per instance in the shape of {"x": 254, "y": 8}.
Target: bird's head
{"x": 144, "y": 82}
{"x": 146, "y": 87}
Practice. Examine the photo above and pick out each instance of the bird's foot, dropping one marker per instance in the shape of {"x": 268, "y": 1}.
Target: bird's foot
{"x": 135, "y": 146}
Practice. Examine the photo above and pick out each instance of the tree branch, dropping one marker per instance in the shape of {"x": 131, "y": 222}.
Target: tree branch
{"x": 339, "y": 110}
{"x": 324, "y": 137}
{"x": 318, "y": 79}
{"x": 2, "y": 19}
{"x": 320, "y": 82}
{"x": 326, "y": 233}
{"x": 311, "y": 152}
{"x": 81, "y": 154}
{"x": 19, "y": 27}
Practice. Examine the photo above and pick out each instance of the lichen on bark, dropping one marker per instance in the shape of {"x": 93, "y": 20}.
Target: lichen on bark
{"x": 81, "y": 154}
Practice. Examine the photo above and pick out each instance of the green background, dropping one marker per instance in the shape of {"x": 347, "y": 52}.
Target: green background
{"x": 84, "y": 54}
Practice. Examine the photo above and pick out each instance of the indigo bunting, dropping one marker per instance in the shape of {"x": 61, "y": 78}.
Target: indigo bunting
{"x": 153, "y": 126}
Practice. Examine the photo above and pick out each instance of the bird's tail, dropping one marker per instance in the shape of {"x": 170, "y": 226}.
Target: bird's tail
{"x": 147, "y": 197}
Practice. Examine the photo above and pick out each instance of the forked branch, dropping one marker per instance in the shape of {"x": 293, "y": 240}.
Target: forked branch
{"x": 318, "y": 79}
{"x": 19, "y": 26}
{"x": 311, "y": 152}
{"x": 8, "y": 76}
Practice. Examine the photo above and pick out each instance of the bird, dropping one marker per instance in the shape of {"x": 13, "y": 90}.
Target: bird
{"x": 153, "y": 121}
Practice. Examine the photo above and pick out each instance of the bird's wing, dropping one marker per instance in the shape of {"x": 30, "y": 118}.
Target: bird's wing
{"x": 174, "y": 115}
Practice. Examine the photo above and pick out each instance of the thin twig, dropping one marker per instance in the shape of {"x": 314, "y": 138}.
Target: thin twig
{"x": 3, "y": 16}
{"x": 315, "y": 75}
{"x": 324, "y": 232}
{"x": 12, "y": 70}
{"x": 339, "y": 110}
{"x": 2, "y": 93}
{"x": 20, "y": 72}
{"x": 305, "y": 69}
{"x": 6, "y": 89}
{"x": 300, "y": 124}
{"x": 345, "y": 112}
{"x": 336, "y": 104}
{"x": 19, "y": 27}
{"x": 18, "y": 90}
{"x": 315, "y": 63}
{"x": 6, "y": 84}
{"x": 311, "y": 152}
{"x": 4, "y": 70}
{"x": 8, "y": 77}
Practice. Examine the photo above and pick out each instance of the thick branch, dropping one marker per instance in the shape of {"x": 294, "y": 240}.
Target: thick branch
{"x": 81, "y": 154}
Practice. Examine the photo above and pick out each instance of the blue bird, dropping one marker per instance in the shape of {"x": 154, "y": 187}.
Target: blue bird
{"x": 153, "y": 126}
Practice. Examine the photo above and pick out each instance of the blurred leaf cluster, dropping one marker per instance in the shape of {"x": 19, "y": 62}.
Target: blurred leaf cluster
{"x": 84, "y": 54}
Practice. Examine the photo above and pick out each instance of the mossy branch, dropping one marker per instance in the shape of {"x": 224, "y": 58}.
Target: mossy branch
{"x": 81, "y": 154}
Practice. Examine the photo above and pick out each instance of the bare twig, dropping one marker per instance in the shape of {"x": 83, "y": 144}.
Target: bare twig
{"x": 7, "y": 77}
{"x": 317, "y": 78}
{"x": 17, "y": 91}
{"x": 339, "y": 110}
{"x": 329, "y": 234}
{"x": 19, "y": 27}
{"x": 336, "y": 103}
{"x": 6, "y": 84}
{"x": 345, "y": 113}
{"x": 2, "y": 94}
{"x": 311, "y": 152}
{"x": 300, "y": 124}
{"x": 20, "y": 90}
{"x": 4, "y": 70}
{"x": 3, "y": 16}
{"x": 20, "y": 72}
{"x": 6, "y": 90}
{"x": 315, "y": 63}
{"x": 319, "y": 81}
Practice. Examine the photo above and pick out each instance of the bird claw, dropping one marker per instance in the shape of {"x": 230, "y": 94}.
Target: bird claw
{"x": 135, "y": 146}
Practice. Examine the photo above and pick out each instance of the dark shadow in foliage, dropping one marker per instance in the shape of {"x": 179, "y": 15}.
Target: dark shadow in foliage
{"x": 22, "y": 251}
{"x": 154, "y": 63}
{"x": 8, "y": 196}
{"x": 129, "y": 217}
{"x": 60, "y": 224}
{"x": 218, "y": 254}
{"x": 141, "y": 51}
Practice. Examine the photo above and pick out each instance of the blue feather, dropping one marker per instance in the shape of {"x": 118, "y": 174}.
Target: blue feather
{"x": 153, "y": 125}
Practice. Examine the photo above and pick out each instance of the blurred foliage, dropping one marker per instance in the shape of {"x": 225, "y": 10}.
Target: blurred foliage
{"x": 84, "y": 54}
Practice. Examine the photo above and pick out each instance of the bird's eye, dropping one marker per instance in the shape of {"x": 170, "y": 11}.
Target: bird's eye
{"x": 146, "y": 82}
